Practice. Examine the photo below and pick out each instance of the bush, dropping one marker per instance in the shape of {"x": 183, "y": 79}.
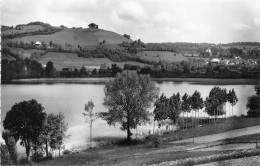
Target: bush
{"x": 37, "y": 156}
{"x": 5, "y": 158}
{"x": 11, "y": 146}
{"x": 24, "y": 161}
{"x": 153, "y": 141}
{"x": 66, "y": 151}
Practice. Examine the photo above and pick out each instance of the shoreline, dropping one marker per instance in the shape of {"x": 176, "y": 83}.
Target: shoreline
{"x": 103, "y": 80}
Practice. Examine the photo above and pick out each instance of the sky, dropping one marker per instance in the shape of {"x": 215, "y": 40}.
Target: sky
{"x": 211, "y": 21}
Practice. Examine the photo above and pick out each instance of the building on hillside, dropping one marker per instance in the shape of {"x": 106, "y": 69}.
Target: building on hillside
{"x": 37, "y": 44}
{"x": 237, "y": 57}
{"x": 191, "y": 54}
{"x": 215, "y": 60}
{"x": 67, "y": 69}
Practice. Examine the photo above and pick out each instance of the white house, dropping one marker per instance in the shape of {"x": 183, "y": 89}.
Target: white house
{"x": 215, "y": 60}
{"x": 37, "y": 43}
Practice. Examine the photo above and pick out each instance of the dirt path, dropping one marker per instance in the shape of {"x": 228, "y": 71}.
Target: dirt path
{"x": 225, "y": 135}
{"x": 249, "y": 161}
{"x": 229, "y": 147}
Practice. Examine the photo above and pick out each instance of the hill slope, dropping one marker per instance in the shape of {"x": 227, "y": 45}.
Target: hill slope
{"x": 166, "y": 56}
{"x": 76, "y": 37}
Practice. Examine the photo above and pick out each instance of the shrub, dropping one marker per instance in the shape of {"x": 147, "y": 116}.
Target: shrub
{"x": 5, "y": 158}
{"x": 153, "y": 141}
{"x": 11, "y": 146}
{"x": 66, "y": 151}
{"x": 24, "y": 161}
{"x": 37, "y": 156}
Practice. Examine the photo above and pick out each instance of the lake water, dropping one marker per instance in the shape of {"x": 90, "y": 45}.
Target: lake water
{"x": 71, "y": 98}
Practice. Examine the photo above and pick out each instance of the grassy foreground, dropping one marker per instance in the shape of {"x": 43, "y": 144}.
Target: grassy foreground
{"x": 145, "y": 153}
{"x": 220, "y": 126}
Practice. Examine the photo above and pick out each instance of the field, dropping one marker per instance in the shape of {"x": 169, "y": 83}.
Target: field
{"x": 76, "y": 37}
{"x": 25, "y": 53}
{"x": 71, "y": 60}
{"x": 27, "y": 28}
{"x": 157, "y": 56}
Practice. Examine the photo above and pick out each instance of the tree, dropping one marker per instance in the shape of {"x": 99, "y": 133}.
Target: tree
{"x": 5, "y": 157}
{"x": 49, "y": 70}
{"x": 24, "y": 121}
{"x": 60, "y": 127}
{"x": 90, "y": 117}
{"x": 11, "y": 145}
{"x": 253, "y": 106}
{"x": 93, "y": 25}
{"x": 196, "y": 102}
{"x": 257, "y": 89}
{"x": 174, "y": 107}
{"x": 214, "y": 103}
{"x": 128, "y": 97}
{"x": 161, "y": 109}
{"x": 185, "y": 105}
{"x": 115, "y": 69}
{"x": 53, "y": 124}
{"x": 127, "y": 36}
{"x": 232, "y": 98}
{"x": 253, "y": 103}
{"x": 94, "y": 72}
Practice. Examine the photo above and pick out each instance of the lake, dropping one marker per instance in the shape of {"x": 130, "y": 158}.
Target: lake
{"x": 71, "y": 98}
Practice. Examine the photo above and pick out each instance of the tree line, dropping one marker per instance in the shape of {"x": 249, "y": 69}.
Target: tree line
{"x": 30, "y": 68}
{"x": 37, "y": 131}
{"x": 129, "y": 96}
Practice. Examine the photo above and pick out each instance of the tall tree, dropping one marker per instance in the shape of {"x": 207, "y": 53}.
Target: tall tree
{"x": 24, "y": 121}
{"x": 185, "y": 105}
{"x": 214, "y": 102}
{"x": 174, "y": 107}
{"x": 53, "y": 126}
{"x": 161, "y": 109}
{"x": 253, "y": 104}
{"x": 50, "y": 69}
{"x": 232, "y": 98}
{"x": 90, "y": 117}
{"x": 196, "y": 102}
{"x": 128, "y": 97}
{"x": 60, "y": 127}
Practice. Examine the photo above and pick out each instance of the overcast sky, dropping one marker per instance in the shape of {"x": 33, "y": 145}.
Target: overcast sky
{"x": 215, "y": 21}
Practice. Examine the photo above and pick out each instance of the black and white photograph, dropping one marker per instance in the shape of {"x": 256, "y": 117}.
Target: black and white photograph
{"x": 130, "y": 82}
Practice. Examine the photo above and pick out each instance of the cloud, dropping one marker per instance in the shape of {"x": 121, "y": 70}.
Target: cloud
{"x": 257, "y": 21}
{"x": 150, "y": 20}
{"x": 241, "y": 26}
{"x": 131, "y": 11}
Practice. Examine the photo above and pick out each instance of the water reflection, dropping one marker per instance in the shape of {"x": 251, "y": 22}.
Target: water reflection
{"x": 70, "y": 99}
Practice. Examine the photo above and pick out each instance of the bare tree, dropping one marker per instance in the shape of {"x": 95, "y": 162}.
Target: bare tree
{"x": 90, "y": 118}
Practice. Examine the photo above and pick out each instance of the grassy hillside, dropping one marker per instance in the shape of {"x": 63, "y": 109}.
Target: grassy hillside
{"x": 166, "y": 56}
{"x": 23, "y": 29}
{"x": 26, "y": 53}
{"x": 83, "y": 37}
{"x": 62, "y": 60}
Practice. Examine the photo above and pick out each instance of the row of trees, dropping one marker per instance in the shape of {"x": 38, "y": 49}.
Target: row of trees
{"x": 171, "y": 108}
{"x": 25, "y": 68}
{"x": 129, "y": 96}
{"x": 28, "y": 122}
